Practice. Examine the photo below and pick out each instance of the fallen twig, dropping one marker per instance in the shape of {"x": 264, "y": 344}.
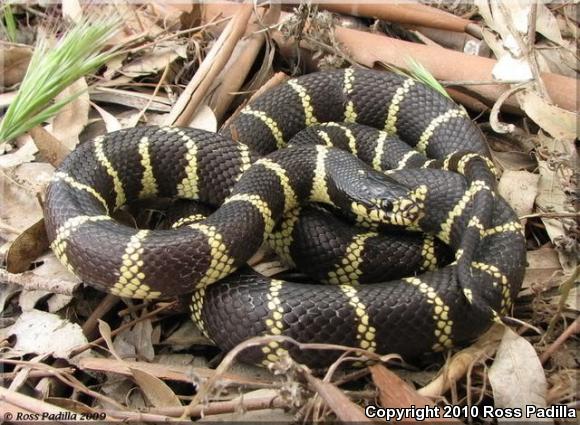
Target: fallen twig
{"x": 573, "y": 329}
{"x": 33, "y": 282}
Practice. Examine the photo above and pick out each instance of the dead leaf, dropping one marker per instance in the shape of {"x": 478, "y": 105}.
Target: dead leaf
{"x": 34, "y": 176}
{"x": 52, "y": 269}
{"x": 105, "y": 331}
{"x": 136, "y": 342}
{"x": 111, "y": 122}
{"x": 517, "y": 376}
{"x": 155, "y": 59}
{"x": 560, "y": 123}
{"x": 16, "y": 199}
{"x": 28, "y": 299}
{"x": 559, "y": 61}
{"x": 155, "y": 390}
{"x": 515, "y": 161}
{"x": 204, "y": 119}
{"x": 72, "y": 119}
{"x": 26, "y": 248}
{"x": 519, "y": 189}
{"x": 45, "y": 333}
{"x": 552, "y": 196}
{"x": 14, "y": 59}
{"x": 460, "y": 362}
{"x": 72, "y": 10}
{"x": 19, "y": 156}
{"x": 185, "y": 336}
{"x": 7, "y": 291}
{"x": 131, "y": 98}
{"x": 51, "y": 149}
{"x": 543, "y": 263}
{"x": 547, "y": 25}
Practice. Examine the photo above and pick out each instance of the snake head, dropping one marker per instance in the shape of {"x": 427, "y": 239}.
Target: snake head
{"x": 384, "y": 200}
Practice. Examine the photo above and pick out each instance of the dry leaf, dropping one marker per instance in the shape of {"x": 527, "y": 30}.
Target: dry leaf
{"x": 136, "y": 342}
{"x": 131, "y": 98}
{"x": 516, "y": 161}
{"x": 16, "y": 199}
{"x": 20, "y": 156}
{"x": 7, "y": 291}
{"x": 28, "y": 299}
{"x": 45, "y": 333}
{"x": 547, "y": 25}
{"x": 460, "y": 362}
{"x": 560, "y": 123}
{"x": 543, "y": 263}
{"x": 105, "y": 331}
{"x": 517, "y": 376}
{"x": 111, "y": 122}
{"x": 185, "y": 336}
{"x": 72, "y": 119}
{"x": 155, "y": 59}
{"x": 155, "y": 390}
{"x": 72, "y": 10}
{"x": 204, "y": 119}
{"x": 552, "y": 198}
{"x": 520, "y": 189}
{"x": 14, "y": 59}
{"x": 26, "y": 248}
{"x": 51, "y": 149}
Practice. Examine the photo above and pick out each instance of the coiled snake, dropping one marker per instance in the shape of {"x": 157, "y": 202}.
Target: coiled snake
{"x": 439, "y": 180}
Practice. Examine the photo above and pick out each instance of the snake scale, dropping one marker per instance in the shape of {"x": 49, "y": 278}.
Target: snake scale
{"x": 419, "y": 163}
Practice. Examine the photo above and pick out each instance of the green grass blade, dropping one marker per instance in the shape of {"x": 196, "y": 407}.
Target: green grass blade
{"x": 9, "y": 22}
{"x": 52, "y": 69}
{"x": 419, "y": 72}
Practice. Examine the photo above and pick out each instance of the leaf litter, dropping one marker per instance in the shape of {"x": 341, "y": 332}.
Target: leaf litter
{"x": 133, "y": 360}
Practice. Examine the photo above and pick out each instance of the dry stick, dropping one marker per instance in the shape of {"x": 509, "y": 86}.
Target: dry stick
{"x": 237, "y": 28}
{"x": 103, "y": 308}
{"x": 122, "y": 328}
{"x": 372, "y": 49}
{"x": 230, "y": 406}
{"x": 155, "y": 91}
{"x": 33, "y": 282}
{"x": 415, "y": 14}
{"x": 236, "y": 70}
{"x": 36, "y": 373}
{"x": 263, "y": 340}
{"x": 574, "y": 328}
{"x": 344, "y": 408}
{"x": 551, "y": 215}
{"x": 62, "y": 376}
{"x": 27, "y": 403}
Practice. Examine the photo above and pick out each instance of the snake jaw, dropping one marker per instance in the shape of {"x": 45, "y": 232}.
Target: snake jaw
{"x": 408, "y": 210}
{"x": 404, "y": 211}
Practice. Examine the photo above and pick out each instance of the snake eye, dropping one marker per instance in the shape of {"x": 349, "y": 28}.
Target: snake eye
{"x": 386, "y": 205}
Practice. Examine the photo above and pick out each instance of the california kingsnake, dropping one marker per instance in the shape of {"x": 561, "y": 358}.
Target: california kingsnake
{"x": 410, "y": 316}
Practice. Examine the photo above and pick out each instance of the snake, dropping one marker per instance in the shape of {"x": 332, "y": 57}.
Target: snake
{"x": 435, "y": 257}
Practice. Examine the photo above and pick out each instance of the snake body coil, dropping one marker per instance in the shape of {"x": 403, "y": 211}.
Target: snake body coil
{"x": 256, "y": 198}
